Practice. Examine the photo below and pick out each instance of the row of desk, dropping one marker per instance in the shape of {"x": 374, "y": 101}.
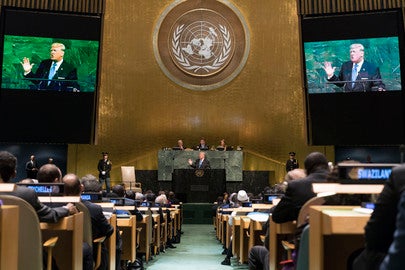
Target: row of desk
{"x": 245, "y": 231}
{"x": 136, "y": 236}
{"x": 335, "y": 232}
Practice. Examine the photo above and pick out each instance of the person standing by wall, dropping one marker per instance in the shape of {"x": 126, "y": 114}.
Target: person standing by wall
{"x": 104, "y": 168}
{"x": 292, "y": 162}
{"x": 31, "y": 167}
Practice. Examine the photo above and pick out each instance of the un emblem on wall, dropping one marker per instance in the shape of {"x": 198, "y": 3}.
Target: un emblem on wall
{"x": 201, "y": 45}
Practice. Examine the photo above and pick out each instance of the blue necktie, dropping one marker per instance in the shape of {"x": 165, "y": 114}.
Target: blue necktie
{"x": 200, "y": 165}
{"x": 354, "y": 74}
{"x": 52, "y": 72}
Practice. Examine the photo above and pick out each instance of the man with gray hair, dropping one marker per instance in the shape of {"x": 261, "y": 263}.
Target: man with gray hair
{"x": 53, "y": 73}
{"x": 356, "y": 75}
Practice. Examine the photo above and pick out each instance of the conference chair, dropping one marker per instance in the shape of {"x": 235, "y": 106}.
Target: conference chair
{"x": 129, "y": 179}
{"x": 30, "y": 247}
{"x": 87, "y": 233}
{"x": 302, "y": 223}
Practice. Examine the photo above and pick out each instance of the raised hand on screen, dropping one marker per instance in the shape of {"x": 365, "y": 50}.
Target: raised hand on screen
{"x": 327, "y": 66}
{"x": 27, "y": 66}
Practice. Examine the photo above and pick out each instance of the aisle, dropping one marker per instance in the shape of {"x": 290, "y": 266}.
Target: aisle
{"x": 199, "y": 250}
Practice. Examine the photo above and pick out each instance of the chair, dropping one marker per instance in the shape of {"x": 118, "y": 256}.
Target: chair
{"x": 303, "y": 257}
{"x": 128, "y": 178}
{"x": 302, "y": 220}
{"x": 87, "y": 233}
{"x": 30, "y": 236}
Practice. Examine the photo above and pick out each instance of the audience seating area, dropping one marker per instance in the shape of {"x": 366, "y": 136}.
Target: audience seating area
{"x": 333, "y": 233}
{"x": 23, "y": 239}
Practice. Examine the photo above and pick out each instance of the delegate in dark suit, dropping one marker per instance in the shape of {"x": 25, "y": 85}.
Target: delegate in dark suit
{"x": 99, "y": 228}
{"x": 367, "y": 72}
{"x": 298, "y": 192}
{"x": 65, "y": 78}
{"x": 395, "y": 258}
{"x": 31, "y": 168}
{"x": 381, "y": 225}
{"x": 45, "y": 213}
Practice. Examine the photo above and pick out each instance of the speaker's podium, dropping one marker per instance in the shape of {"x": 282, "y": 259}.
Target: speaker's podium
{"x": 198, "y": 186}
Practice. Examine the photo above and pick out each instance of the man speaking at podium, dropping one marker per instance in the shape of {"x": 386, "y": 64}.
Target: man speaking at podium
{"x": 356, "y": 75}
{"x": 54, "y": 73}
{"x": 201, "y": 163}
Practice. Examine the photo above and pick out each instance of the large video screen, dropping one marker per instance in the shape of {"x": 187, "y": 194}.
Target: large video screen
{"x": 49, "y": 76}
{"x": 81, "y": 57}
{"x": 353, "y": 78}
{"x": 379, "y": 54}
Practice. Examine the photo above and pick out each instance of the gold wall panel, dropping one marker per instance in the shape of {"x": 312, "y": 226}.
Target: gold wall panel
{"x": 141, "y": 110}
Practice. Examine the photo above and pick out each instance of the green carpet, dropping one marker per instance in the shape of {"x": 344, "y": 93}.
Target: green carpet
{"x": 197, "y": 213}
{"x": 199, "y": 250}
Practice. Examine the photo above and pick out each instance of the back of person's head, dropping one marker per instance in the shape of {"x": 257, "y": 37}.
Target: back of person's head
{"x": 161, "y": 199}
{"x": 27, "y": 181}
{"x": 242, "y": 196}
{"x": 130, "y": 194}
{"x": 49, "y": 173}
{"x": 8, "y": 165}
{"x": 295, "y": 174}
{"x": 73, "y": 187}
{"x": 232, "y": 199}
{"x": 315, "y": 161}
{"x": 139, "y": 196}
{"x": 171, "y": 195}
{"x": 220, "y": 199}
{"x": 119, "y": 190}
{"x": 90, "y": 183}
{"x": 150, "y": 197}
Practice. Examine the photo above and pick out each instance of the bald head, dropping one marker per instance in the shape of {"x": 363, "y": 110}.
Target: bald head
{"x": 73, "y": 186}
{"x": 49, "y": 173}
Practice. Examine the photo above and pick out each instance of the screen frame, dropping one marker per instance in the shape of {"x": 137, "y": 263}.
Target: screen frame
{"x": 342, "y": 121}
{"x": 64, "y": 117}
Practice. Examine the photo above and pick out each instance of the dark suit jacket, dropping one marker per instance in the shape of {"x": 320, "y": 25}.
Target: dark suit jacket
{"x": 205, "y": 164}
{"x": 298, "y": 192}
{"x": 380, "y": 228}
{"x": 368, "y": 71}
{"x": 66, "y": 71}
{"x": 32, "y": 169}
{"x": 104, "y": 166}
{"x": 99, "y": 227}
{"x": 99, "y": 224}
{"x": 202, "y": 147}
{"x": 45, "y": 213}
{"x": 395, "y": 258}
{"x": 291, "y": 165}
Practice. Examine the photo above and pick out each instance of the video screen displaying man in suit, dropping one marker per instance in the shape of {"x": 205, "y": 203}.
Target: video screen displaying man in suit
{"x": 356, "y": 75}
{"x": 59, "y": 75}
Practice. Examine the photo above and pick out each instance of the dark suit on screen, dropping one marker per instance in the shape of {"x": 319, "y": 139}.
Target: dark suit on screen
{"x": 381, "y": 225}
{"x": 368, "y": 71}
{"x": 65, "y": 77}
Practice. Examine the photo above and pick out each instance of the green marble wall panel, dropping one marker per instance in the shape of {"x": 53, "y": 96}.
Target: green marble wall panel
{"x": 231, "y": 161}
